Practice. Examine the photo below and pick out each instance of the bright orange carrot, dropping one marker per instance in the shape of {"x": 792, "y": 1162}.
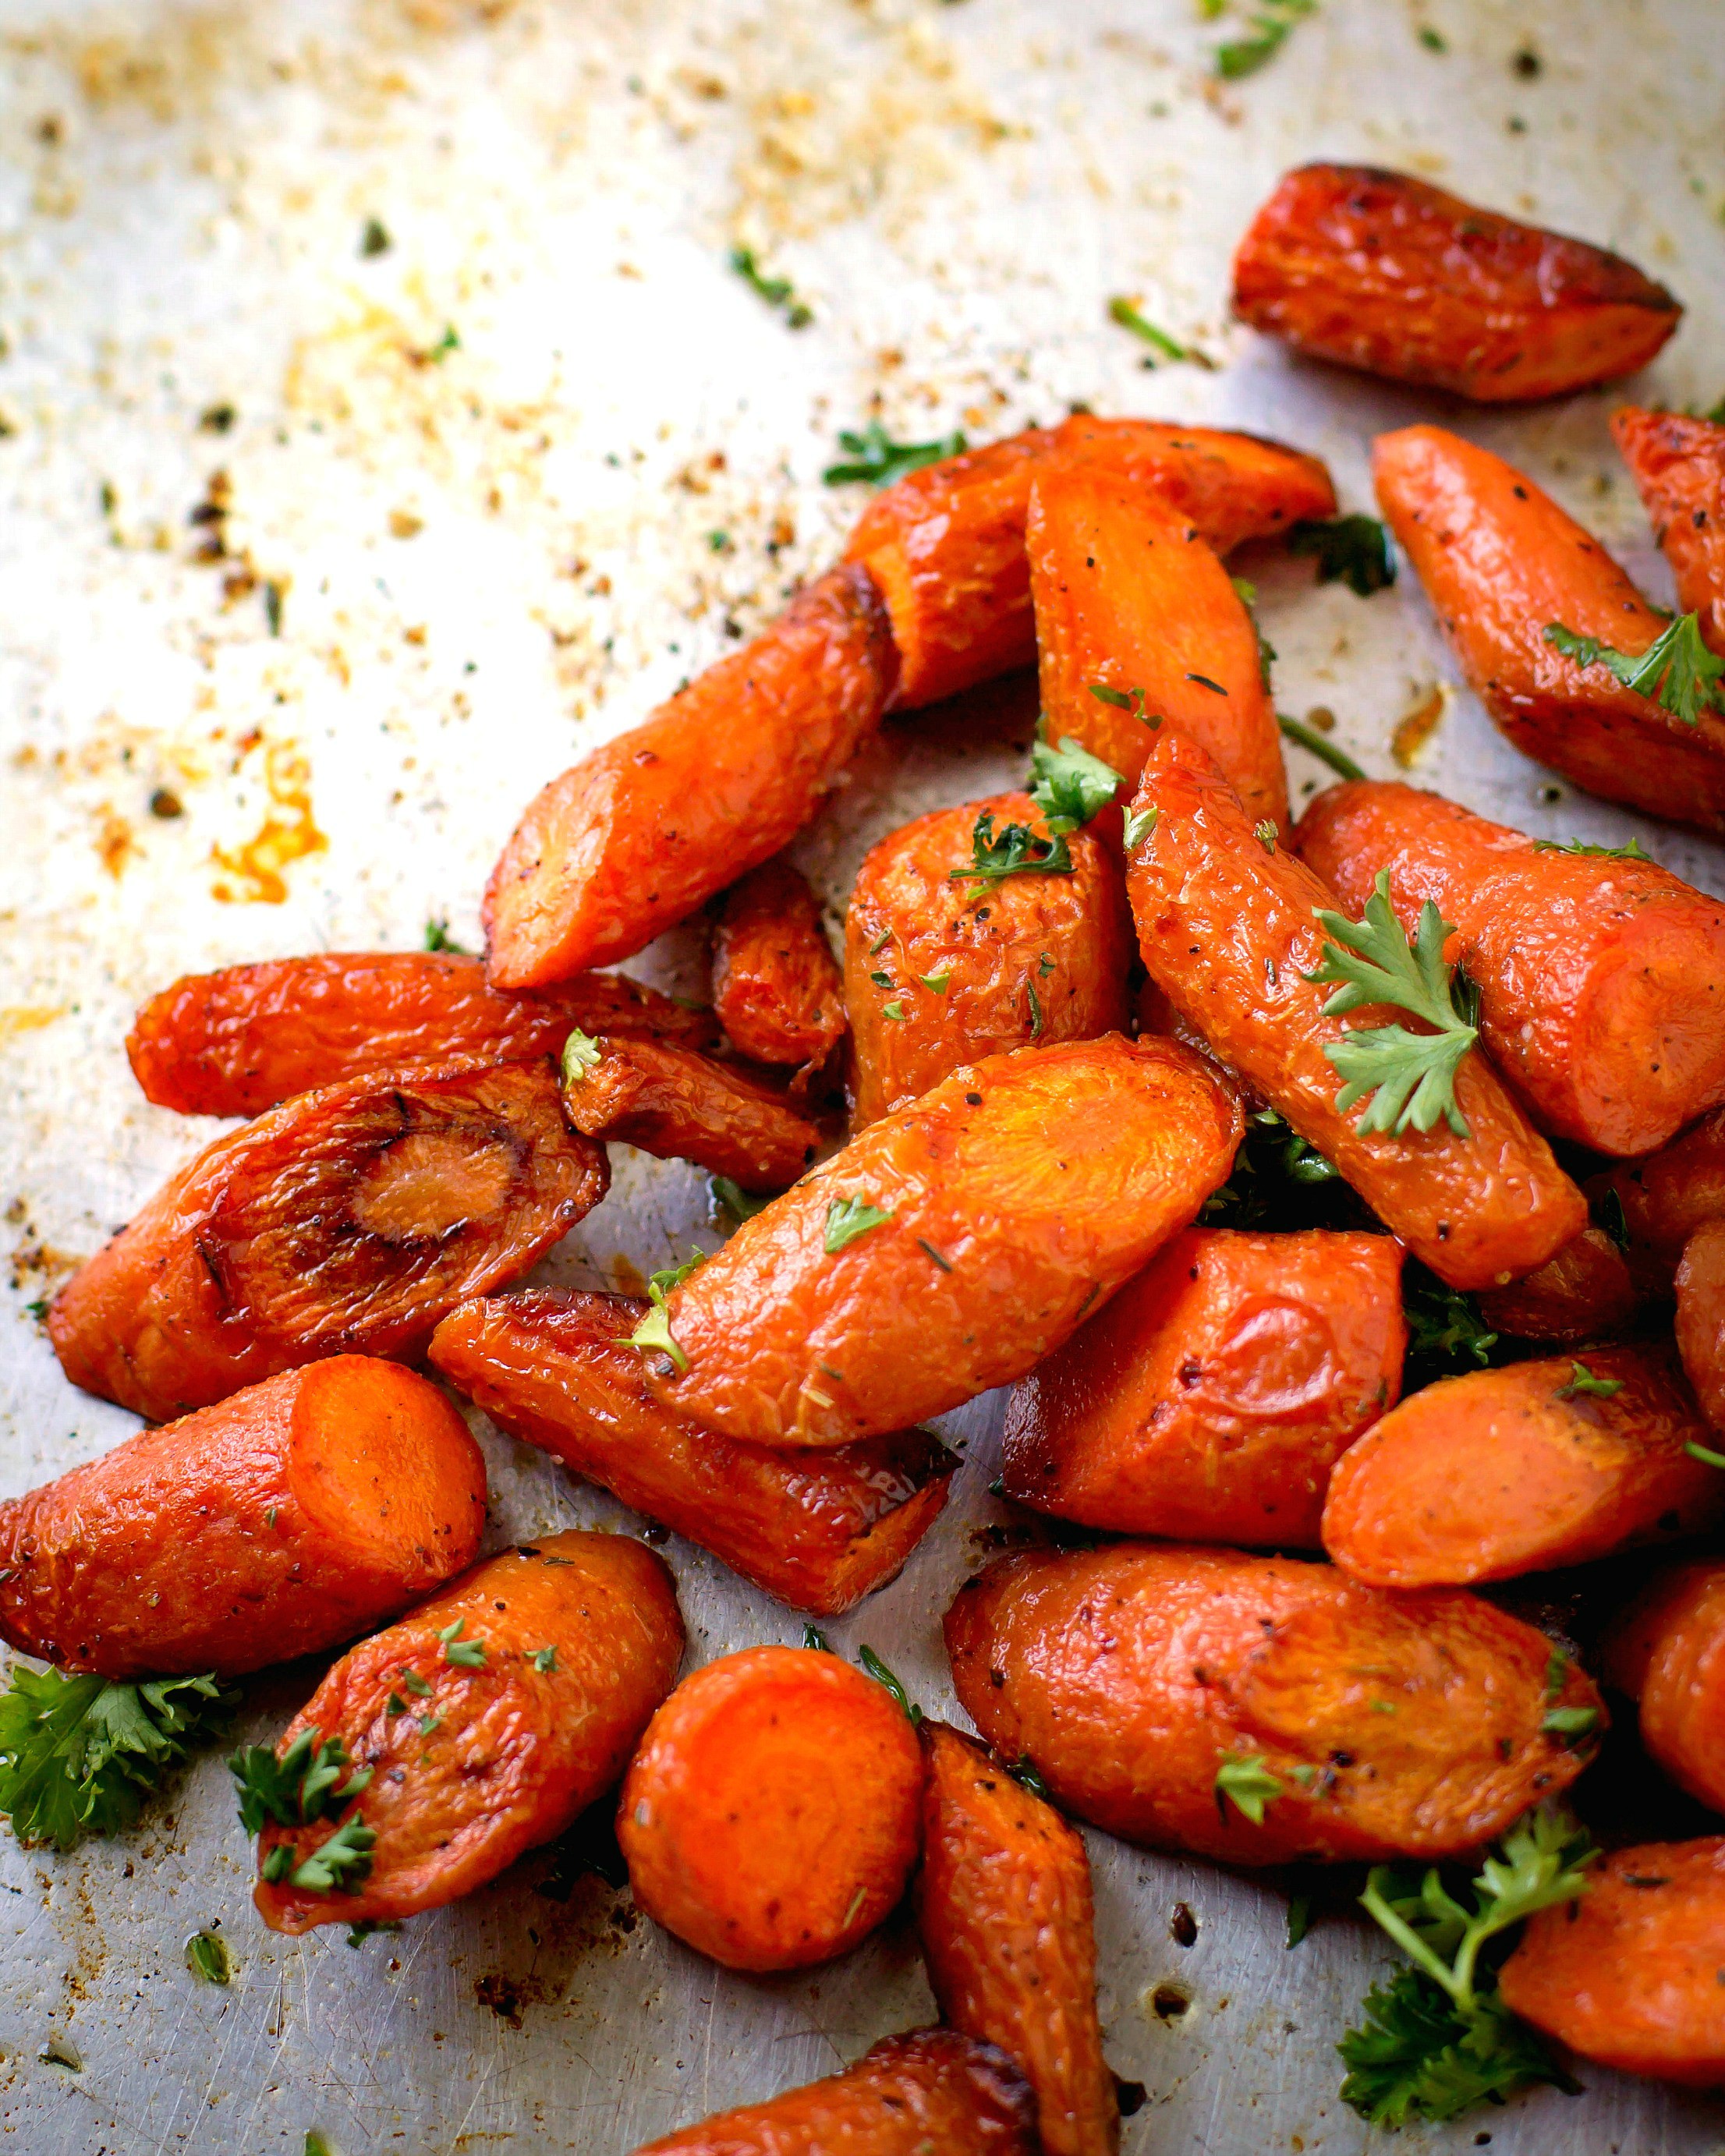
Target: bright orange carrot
{"x": 819, "y": 1530}
{"x": 770, "y": 1818}
{"x": 683, "y": 1106}
{"x": 776, "y": 988}
{"x": 1666, "y": 1650}
{"x": 1701, "y": 1317}
{"x": 646, "y": 828}
{"x": 1585, "y": 1292}
{"x": 1661, "y": 1199}
{"x": 1678, "y": 464}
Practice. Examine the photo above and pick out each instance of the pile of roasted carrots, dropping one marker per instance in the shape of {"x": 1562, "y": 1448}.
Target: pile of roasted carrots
{"x": 1324, "y": 1187}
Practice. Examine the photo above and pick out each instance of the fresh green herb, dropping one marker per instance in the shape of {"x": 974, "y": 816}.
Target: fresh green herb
{"x": 1125, "y": 699}
{"x": 816, "y": 1639}
{"x": 1556, "y": 1671}
{"x": 338, "y": 1864}
{"x": 428, "y": 1722}
{"x": 653, "y": 1329}
{"x": 876, "y": 458}
{"x": 316, "y": 2145}
{"x": 546, "y": 1661}
{"x": 1273, "y": 1175}
{"x": 1446, "y": 1335}
{"x": 438, "y": 938}
{"x": 1140, "y": 823}
{"x": 1244, "y": 56}
{"x": 740, "y": 1203}
{"x": 1314, "y": 744}
{"x": 936, "y": 983}
{"x": 1036, "y": 1010}
{"x": 582, "y": 1053}
{"x": 1631, "y": 852}
{"x": 883, "y": 980}
{"x": 1350, "y": 550}
{"x": 373, "y": 238}
{"x": 1412, "y": 1075}
{"x": 1045, "y": 963}
{"x": 1433, "y": 40}
{"x": 395, "y": 1704}
{"x": 1069, "y": 785}
{"x": 880, "y": 941}
{"x": 38, "y": 1309}
{"x": 776, "y": 291}
{"x": 1677, "y": 669}
{"x": 1299, "y": 1918}
{"x": 879, "y": 1671}
{"x": 1265, "y": 834}
{"x": 1570, "y": 1721}
{"x": 720, "y": 542}
{"x": 79, "y": 1754}
{"x": 447, "y": 343}
{"x": 894, "y": 1010}
{"x": 273, "y": 596}
{"x": 414, "y": 1683}
{"x": 1705, "y": 1454}
{"x": 1247, "y": 1783}
{"x": 1437, "y": 2038}
{"x": 303, "y": 1785}
{"x": 1125, "y": 313}
{"x": 207, "y": 1957}
{"x": 358, "y": 1933}
{"x": 462, "y": 1653}
{"x": 847, "y": 1217}
{"x": 1583, "y": 1380}
{"x": 1016, "y": 851}
{"x": 1026, "y": 1776}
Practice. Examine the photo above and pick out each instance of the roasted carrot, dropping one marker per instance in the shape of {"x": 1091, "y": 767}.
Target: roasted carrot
{"x": 819, "y": 1531}
{"x": 1130, "y": 600}
{"x": 776, "y": 988}
{"x": 1008, "y": 1924}
{"x": 237, "y": 1042}
{"x": 643, "y": 831}
{"x": 1658, "y": 1202}
{"x": 1228, "y": 928}
{"x": 1503, "y": 1472}
{"x": 949, "y": 1247}
{"x": 939, "y": 970}
{"x": 946, "y": 545}
{"x": 280, "y": 1523}
{"x": 1701, "y": 1317}
{"x": 683, "y": 1106}
{"x": 1585, "y": 1292}
{"x": 1629, "y": 1975}
{"x": 489, "y": 1719}
{"x": 348, "y": 1220}
{"x": 1666, "y": 1650}
{"x": 1210, "y": 1400}
{"x": 1501, "y": 563}
{"x": 930, "y": 2092}
{"x": 1385, "y": 273}
{"x": 1260, "y": 1709}
{"x": 770, "y": 1818}
{"x": 1678, "y": 464}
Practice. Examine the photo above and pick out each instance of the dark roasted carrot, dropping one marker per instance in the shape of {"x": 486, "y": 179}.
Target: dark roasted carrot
{"x": 1129, "y": 599}
{"x": 949, "y": 1247}
{"x": 1389, "y": 274}
{"x": 946, "y": 545}
{"x": 682, "y": 1105}
{"x": 1666, "y": 1650}
{"x": 280, "y": 1523}
{"x": 1520, "y": 1470}
{"x": 1168, "y": 1693}
{"x": 931, "y": 2092}
{"x": 348, "y": 1220}
{"x": 770, "y": 1818}
{"x": 1678, "y": 464}
{"x": 237, "y": 1042}
{"x": 939, "y": 971}
{"x": 1229, "y": 931}
{"x": 1659, "y": 1200}
{"x": 819, "y": 1530}
{"x": 1008, "y": 1922}
{"x": 1629, "y": 1975}
{"x": 1501, "y": 562}
{"x": 1701, "y": 1317}
{"x": 1210, "y": 1400}
{"x": 776, "y": 988}
{"x": 1585, "y": 1292}
{"x": 489, "y": 1719}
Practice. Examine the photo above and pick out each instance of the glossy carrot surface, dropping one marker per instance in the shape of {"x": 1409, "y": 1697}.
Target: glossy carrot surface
{"x": 1666, "y": 1649}
{"x": 776, "y": 988}
{"x": 1701, "y": 1317}
{"x": 1586, "y": 1293}
{"x": 1664, "y": 1196}
{"x": 1678, "y": 465}
{"x": 683, "y": 1106}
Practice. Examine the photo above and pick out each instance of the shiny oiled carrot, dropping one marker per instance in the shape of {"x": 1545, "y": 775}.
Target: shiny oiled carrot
{"x": 1701, "y": 1317}
{"x": 1658, "y": 1202}
{"x": 1666, "y": 1650}
{"x": 776, "y": 986}
{"x": 1586, "y": 1293}
{"x": 1678, "y": 464}
{"x": 683, "y": 1106}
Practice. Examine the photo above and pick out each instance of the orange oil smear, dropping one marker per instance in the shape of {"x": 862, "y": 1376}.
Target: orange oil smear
{"x": 287, "y": 833}
{"x": 1417, "y": 726}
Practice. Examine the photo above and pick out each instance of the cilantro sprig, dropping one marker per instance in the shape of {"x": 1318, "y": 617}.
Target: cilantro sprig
{"x": 1350, "y": 550}
{"x": 1069, "y": 785}
{"x": 654, "y": 1330}
{"x": 1015, "y": 851}
{"x": 1676, "y": 669}
{"x": 874, "y": 457}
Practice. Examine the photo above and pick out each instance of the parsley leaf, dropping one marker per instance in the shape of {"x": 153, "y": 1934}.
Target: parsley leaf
{"x": 847, "y": 1217}
{"x": 1314, "y": 744}
{"x": 338, "y": 1864}
{"x": 1248, "y": 1784}
{"x": 740, "y": 1203}
{"x": 1446, "y": 1335}
{"x": 1026, "y": 1776}
{"x": 653, "y": 1329}
{"x": 877, "y": 459}
{"x": 1140, "y": 823}
{"x": 1350, "y": 550}
{"x": 1125, "y": 699}
{"x": 816, "y": 1640}
{"x": 300, "y": 1787}
{"x": 1677, "y": 669}
{"x": 1016, "y": 851}
{"x": 776, "y": 291}
{"x": 1247, "y": 595}
{"x": 438, "y": 938}
{"x": 1631, "y": 852}
{"x": 1244, "y": 56}
{"x": 1125, "y": 312}
{"x": 462, "y": 1653}
{"x": 1069, "y": 785}
{"x": 1583, "y": 1380}
{"x": 1272, "y": 1156}
{"x": 582, "y": 1053}
{"x": 879, "y": 1671}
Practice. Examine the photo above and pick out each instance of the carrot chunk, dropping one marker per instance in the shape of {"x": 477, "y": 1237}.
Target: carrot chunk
{"x": 1666, "y": 1650}
{"x": 1008, "y": 1924}
{"x": 819, "y": 1531}
{"x": 1701, "y": 1317}
{"x": 770, "y": 1818}
{"x": 682, "y": 1105}
{"x": 489, "y": 1719}
{"x": 280, "y": 1523}
{"x": 1210, "y": 1399}
{"x": 1629, "y": 1975}
{"x": 1258, "y": 1709}
{"x": 1228, "y": 928}
{"x": 1500, "y": 563}
{"x": 776, "y": 988}
{"x": 939, "y": 970}
{"x": 950, "y": 1246}
{"x": 1385, "y": 273}
{"x": 348, "y": 1220}
{"x": 646, "y": 828}
{"x": 1678, "y": 465}
{"x": 1586, "y": 1293}
{"x": 1661, "y": 1200}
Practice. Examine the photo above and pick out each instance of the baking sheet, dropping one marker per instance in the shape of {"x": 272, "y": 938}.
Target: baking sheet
{"x": 468, "y": 502}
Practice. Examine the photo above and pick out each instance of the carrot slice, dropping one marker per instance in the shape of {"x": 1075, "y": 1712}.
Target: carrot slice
{"x": 818, "y": 1531}
{"x": 1585, "y": 1292}
{"x": 776, "y": 988}
{"x": 1666, "y": 1649}
{"x": 770, "y": 1817}
{"x": 1211, "y": 1397}
{"x": 1661, "y": 1199}
{"x": 490, "y": 1718}
{"x": 682, "y": 1105}
{"x": 1701, "y": 1317}
{"x": 1678, "y": 465}
{"x": 280, "y": 1523}
{"x": 1382, "y": 272}
{"x": 1503, "y": 1472}
{"x": 348, "y": 1220}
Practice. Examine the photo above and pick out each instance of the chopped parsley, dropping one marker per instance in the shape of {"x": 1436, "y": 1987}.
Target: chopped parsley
{"x": 1247, "y": 1783}
{"x": 1314, "y": 744}
{"x": 936, "y": 983}
{"x": 462, "y": 1653}
{"x": 1026, "y": 1776}
{"x": 816, "y": 1640}
{"x": 1140, "y": 823}
{"x": 847, "y": 1217}
{"x": 1265, "y": 834}
{"x": 1583, "y": 1380}
{"x": 1350, "y": 550}
{"x": 874, "y": 457}
{"x": 582, "y": 1053}
{"x": 335, "y": 1867}
{"x": 1274, "y": 1175}
{"x": 1069, "y": 785}
{"x": 1125, "y": 699}
{"x": 1446, "y": 1335}
{"x": 1036, "y": 1020}
{"x": 1125, "y": 312}
{"x": 878, "y": 1670}
{"x": 546, "y": 1661}
{"x": 653, "y": 1329}
{"x": 1676, "y": 669}
{"x": 207, "y": 1959}
{"x": 1631, "y": 852}
{"x": 300, "y": 1787}
{"x": 776, "y": 291}
{"x": 740, "y": 1203}
{"x": 1270, "y": 28}
{"x": 438, "y": 938}
{"x": 1016, "y": 851}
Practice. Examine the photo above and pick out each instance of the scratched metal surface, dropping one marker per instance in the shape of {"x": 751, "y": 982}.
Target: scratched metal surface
{"x": 484, "y": 550}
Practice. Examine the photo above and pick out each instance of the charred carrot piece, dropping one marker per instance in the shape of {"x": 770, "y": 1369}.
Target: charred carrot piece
{"x": 1666, "y": 1650}
{"x": 1586, "y": 1293}
{"x": 776, "y": 986}
{"x": 1130, "y": 602}
{"x": 646, "y": 828}
{"x": 682, "y": 1105}
{"x": 1228, "y": 928}
{"x": 1631, "y": 1978}
{"x": 1521, "y": 1469}
{"x": 1008, "y": 1924}
{"x": 1501, "y": 563}
{"x": 771, "y": 1817}
{"x": 1678, "y": 465}
{"x": 1657, "y": 1203}
{"x": 1382, "y": 272}
{"x": 946, "y": 545}
{"x": 818, "y": 1531}
{"x": 280, "y": 1523}
{"x": 950, "y": 1246}
{"x": 939, "y": 969}
{"x": 1211, "y": 1398}
{"x": 1601, "y": 977}
{"x": 485, "y": 1722}
{"x": 1701, "y": 1317}
{"x": 929, "y": 2090}
{"x": 346, "y": 1221}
